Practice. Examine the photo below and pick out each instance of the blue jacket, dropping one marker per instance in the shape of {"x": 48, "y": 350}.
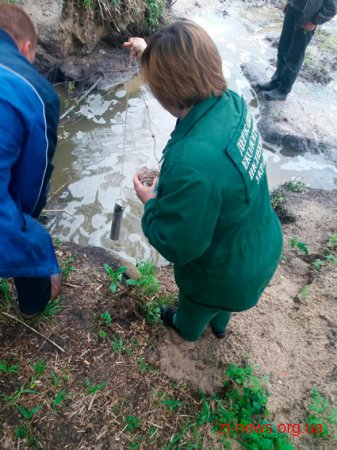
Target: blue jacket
{"x": 29, "y": 114}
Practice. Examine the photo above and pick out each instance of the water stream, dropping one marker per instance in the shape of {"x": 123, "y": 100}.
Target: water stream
{"x": 112, "y": 137}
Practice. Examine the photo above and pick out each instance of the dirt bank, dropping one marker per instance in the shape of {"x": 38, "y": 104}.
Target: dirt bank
{"x": 122, "y": 381}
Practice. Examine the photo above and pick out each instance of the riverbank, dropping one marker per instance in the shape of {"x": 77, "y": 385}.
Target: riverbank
{"x": 112, "y": 377}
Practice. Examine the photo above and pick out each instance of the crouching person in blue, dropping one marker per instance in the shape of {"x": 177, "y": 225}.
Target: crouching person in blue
{"x": 29, "y": 114}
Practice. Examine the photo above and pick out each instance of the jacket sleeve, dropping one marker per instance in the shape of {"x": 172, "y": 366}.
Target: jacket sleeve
{"x": 326, "y": 13}
{"x": 180, "y": 222}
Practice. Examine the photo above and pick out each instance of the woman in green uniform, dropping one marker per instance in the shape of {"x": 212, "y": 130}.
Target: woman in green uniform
{"x": 211, "y": 216}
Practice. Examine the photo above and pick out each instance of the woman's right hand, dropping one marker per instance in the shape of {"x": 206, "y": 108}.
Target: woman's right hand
{"x": 136, "y": 45}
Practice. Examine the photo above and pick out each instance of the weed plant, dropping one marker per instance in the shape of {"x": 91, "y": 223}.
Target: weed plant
{"x": 295, "y": 243}
{"x": 151, "y": 308}
{"x": 67, "y": 267}
{"x": 147, "y": 282}
{"x": 116, "y": 277}
{"x": 242, "y": 402}
{"x": 148, "y": 287}
{"x": 7, "y": 368}
{"x": 322, "y": 418}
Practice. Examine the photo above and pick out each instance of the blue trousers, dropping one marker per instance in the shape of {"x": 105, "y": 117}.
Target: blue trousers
{"x": 291, "y": 50}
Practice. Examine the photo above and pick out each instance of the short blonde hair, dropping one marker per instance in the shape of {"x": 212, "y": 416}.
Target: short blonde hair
{"x": 182, "y": 65}
{"x": 16, "y": 22}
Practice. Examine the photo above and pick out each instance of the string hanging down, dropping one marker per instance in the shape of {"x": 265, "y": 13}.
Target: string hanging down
{"x": 146, "y": 175}
{"x": 119, "y": 205}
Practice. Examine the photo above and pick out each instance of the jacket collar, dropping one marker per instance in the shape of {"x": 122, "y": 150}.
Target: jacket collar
{"x": 200, "y": 109}
{"x": 5, "y": 37}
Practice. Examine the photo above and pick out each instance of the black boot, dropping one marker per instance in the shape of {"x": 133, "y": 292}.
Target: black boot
{"x": 166, "y": 314}
{"x": 276, "y": 94}
{"x": 217, "y": 334}
{"x": 269, "y": 86}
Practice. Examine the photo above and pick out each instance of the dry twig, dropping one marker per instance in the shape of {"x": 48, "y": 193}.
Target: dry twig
{"x": 32, "y": 329}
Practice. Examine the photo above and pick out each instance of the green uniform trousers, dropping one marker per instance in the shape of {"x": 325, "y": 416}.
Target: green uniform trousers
{"x": 191, "y": 319}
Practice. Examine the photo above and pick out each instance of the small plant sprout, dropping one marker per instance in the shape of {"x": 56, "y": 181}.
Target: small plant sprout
{"x": 60, "y": 398}
{"x": 14, "y": 398}
{"x": 116, "y": 277}
{"x": 318, "y": 264}
{"x": 143, "y": 367}
{"x": 303, "y": 294}
{"x": 91, "y": 389}
{"x": 102, "y": 334}
{"x": 28, "y": 413}
{"x": 58, "y": 379}
{"x": 172, "y": 404}
{"x": 294, "y": 242}
{"x": 106, "y": 321}
{"x": 132, "y": 423}
{"x": 38, "y": 368}
{"x": 57, "y": 242}
{"x": 67, "y": 267}
{"x": 331, "y": 258}
{"x": 333, "y": 240}
{"x": 117, "y": 345}
{"x": 21, "y": 432}
{"x": 7, "y": 368}
{"x": 106, "y": 318}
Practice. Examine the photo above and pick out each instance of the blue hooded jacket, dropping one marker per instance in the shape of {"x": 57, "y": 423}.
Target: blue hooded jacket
{"x": 29, "y": 114}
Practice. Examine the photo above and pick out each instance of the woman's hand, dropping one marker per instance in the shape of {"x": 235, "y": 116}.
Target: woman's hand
{"x": 144, "y": 193}
{"x": 136, "y": 45}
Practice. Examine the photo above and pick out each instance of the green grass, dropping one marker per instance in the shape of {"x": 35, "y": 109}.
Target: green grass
{"x": 91, "y": 388}
{"x": 295, "y": 243}
{"x": 8, "y": 368}
{"x": 53, "y": 308}
{"x": 67, "y": 267}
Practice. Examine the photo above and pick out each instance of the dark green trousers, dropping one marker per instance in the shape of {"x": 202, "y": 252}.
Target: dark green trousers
{"x": 192, "y": 319}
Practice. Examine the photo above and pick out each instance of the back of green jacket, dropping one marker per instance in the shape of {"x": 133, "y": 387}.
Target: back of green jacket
{"x": 212, "y": 216}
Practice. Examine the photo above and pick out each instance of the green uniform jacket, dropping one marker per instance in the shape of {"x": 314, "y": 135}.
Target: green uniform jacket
{"x": 212, "y": 216}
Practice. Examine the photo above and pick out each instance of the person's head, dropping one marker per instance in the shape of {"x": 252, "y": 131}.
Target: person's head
{"x": 182, "y": 65}
{"x": 19, "y": 26}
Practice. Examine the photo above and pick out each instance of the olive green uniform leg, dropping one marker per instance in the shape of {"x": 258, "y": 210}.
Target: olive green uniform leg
{"x": 192, "y": 319}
